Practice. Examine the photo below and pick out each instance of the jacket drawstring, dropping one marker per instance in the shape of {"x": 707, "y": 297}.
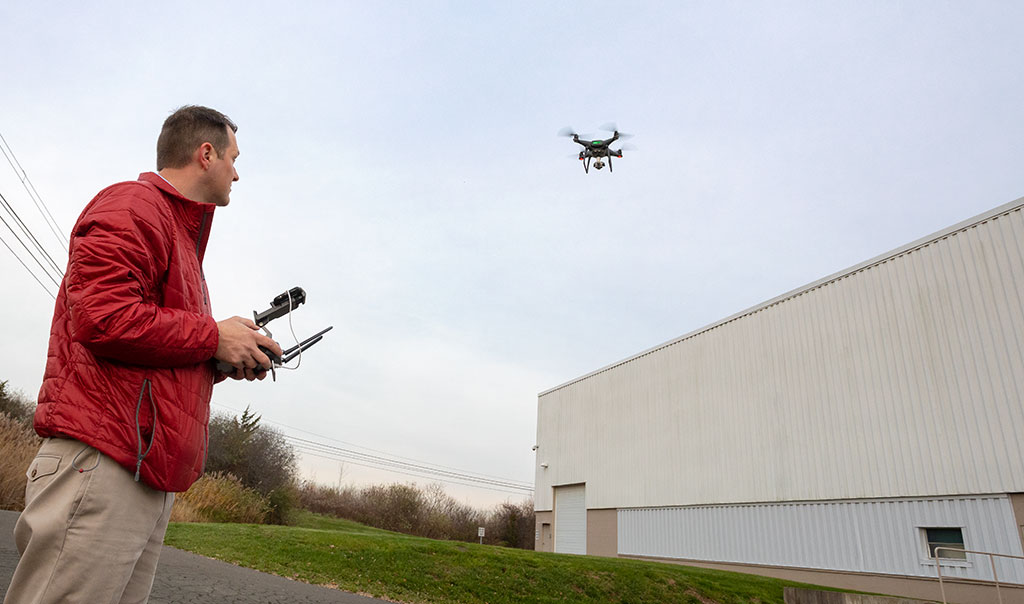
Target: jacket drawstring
{"x": 146, "y": 384}
{"x": 74, "y": 462}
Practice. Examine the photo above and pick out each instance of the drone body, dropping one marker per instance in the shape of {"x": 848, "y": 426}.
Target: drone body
{"x": 599, "y": 149}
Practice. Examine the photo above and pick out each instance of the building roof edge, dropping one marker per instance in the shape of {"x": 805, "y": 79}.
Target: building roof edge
{"x": 1012, "y": 206}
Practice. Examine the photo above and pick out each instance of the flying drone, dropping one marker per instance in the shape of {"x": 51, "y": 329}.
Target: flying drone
{"x": 597, "y": 149}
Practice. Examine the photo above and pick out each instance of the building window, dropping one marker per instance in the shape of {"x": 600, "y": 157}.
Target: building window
{"x": 945, "y": 537}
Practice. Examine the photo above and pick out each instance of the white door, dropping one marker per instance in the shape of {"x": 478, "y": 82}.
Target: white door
{"x": 570, "y": 520}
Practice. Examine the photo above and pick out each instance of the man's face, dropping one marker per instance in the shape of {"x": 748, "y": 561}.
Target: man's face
{"x": 222, "y": 173}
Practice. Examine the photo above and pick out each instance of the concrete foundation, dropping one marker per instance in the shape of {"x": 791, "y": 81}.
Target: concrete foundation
{"x": 960, "y": 591}
{"x": 794, "y": 595}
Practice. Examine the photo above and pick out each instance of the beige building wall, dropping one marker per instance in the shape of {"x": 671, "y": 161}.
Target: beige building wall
{"x": 544, "y": 534}
{"x": 602, "y": 533}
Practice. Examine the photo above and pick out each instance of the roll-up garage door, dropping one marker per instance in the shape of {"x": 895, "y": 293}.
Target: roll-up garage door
{"x": 570, "y": 520}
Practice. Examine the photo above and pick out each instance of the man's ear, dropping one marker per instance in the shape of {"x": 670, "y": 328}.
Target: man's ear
{"x": 205, "y": 154}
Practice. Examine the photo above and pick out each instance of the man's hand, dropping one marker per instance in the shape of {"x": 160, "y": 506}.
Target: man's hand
{"x": 238, "y": 345}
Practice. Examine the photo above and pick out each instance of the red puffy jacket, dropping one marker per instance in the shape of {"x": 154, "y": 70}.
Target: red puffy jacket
{"x": 129, "y": 367}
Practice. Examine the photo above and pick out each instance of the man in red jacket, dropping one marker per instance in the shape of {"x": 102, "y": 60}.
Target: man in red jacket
{"x": 125, "y": 401}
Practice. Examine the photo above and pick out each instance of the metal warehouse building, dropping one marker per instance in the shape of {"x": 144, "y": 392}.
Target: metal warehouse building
{"x": 832, "y": 435}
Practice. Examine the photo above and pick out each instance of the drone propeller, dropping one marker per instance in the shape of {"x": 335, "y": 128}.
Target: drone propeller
{"x": 629, "y": 147}
{"x": 612, "y": 127}
{"x": 567, "y": 131}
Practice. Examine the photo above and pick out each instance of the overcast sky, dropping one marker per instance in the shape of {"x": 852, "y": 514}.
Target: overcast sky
{"x": 399, "y": 162}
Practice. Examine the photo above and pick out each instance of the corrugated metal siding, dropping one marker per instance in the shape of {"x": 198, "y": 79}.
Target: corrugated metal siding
{"x": 858, "y": 536}
{"x": 570, "y": 520}
{"x": 899, "y": 378}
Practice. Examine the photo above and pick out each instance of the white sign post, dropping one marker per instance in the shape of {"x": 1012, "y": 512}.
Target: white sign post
{"x": 480, "y": 533}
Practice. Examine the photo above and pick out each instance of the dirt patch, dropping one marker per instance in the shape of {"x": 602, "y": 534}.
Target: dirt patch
{"x": 693, "y": 593}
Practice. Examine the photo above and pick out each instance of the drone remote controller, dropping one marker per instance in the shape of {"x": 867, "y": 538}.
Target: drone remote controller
{"x": 280, "y": 306}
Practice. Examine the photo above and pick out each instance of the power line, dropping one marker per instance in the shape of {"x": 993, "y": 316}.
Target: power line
{"x": 32, "y": 193}
{"x": 448, "y": 480}
{"x": 28, "y": 269}
{"x": 349, "y": 444}
{"x": 385, "y": 463}
{"x": 392, "y": 463}
{"x": 32, "y": 238}
{"x": 50, "y": 268}
{"x": 28, "y": 233}
{"x": 30, "y": 254}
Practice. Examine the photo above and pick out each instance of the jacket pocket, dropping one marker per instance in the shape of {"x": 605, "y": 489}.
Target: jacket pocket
{"x": 42, "y": 465}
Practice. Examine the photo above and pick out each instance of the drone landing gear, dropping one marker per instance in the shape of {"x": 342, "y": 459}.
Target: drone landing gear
{"x": 610, "y": 155}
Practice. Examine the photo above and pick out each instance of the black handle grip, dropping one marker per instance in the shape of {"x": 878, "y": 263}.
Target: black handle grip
{"x": 275, "y": 361}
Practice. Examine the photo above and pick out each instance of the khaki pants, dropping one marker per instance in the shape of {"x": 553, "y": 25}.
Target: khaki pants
{"x": 89, "y": 534}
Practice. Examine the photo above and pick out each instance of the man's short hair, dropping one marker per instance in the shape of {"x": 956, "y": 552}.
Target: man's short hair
{"x": 187, "y": 128}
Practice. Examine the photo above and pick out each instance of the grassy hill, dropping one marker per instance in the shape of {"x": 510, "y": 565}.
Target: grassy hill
{"x": 356, "y": 558}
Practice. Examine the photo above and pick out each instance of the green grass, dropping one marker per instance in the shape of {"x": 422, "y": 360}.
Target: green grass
{"x": 356, "y": 558}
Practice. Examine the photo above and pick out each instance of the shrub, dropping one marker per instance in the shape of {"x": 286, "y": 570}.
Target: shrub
{"x": 255, "y": 454}
{"x": 427, "y": 512}
{"x": 330, "y": 501}
{"x": 512, "y": 525}
{"x": 219, "y": 498}
{"x": 281, "y": 502}
{"x": 446, "y": 518}
{"x": 18, "y": 446}
{"x": 395, "y": 507}
{"x": 16, "y": 404}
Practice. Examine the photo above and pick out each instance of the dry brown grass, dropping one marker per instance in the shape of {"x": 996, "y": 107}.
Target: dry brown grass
{"x": 18, "y": 446}
{"x": 219, "y": 498}
{"x": 213, "y": 498}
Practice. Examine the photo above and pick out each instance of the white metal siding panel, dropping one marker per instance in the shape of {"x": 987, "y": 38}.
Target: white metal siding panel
{"x": 899, "y": 378}
{"x": 570, "y": 520}
{"x": 857, "y": 536}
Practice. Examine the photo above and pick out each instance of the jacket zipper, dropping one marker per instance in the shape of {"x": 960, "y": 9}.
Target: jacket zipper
{"x": 202, "y": 275}
{"x": 206, "y": 301}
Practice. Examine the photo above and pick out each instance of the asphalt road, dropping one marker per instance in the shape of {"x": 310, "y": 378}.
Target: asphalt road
{"x": 185, "y": 578}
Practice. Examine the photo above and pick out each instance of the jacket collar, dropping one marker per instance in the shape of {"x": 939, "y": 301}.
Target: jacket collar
{"x": 195, "y": 215}
{"x": 162, "y": 184}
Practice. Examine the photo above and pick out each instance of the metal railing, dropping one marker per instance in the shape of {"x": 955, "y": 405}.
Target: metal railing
{"x": 991, "y": 559}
